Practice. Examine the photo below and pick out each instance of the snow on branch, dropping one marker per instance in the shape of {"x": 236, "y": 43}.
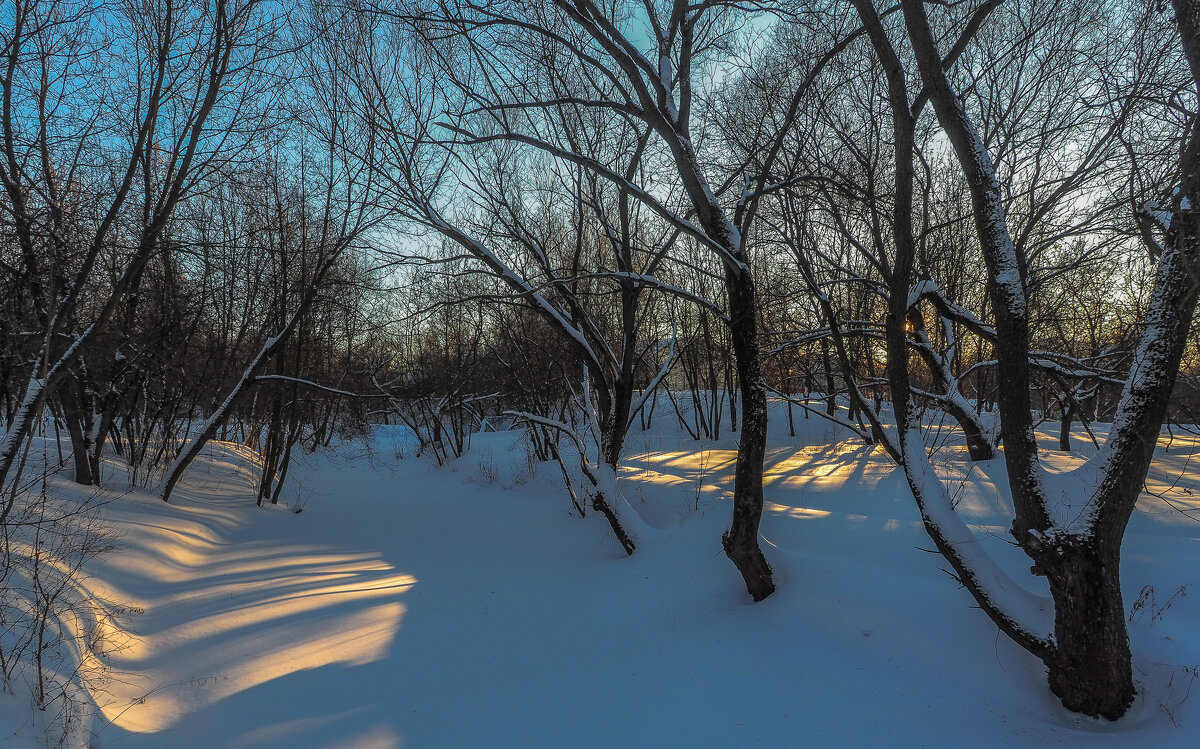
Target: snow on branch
{"x": 514, "y": 280}
{"x": 1023, "y": 615}
{"x": 1154, "y": 211}
{"x": 1152, "y": 216}
{"x": 314, "y": 385}
{"x": 927, "y": 289}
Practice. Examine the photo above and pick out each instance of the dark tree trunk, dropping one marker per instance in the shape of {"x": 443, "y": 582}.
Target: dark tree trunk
{"x": 600, "y": 504}
{"x": 272, "y": 448}
{"x": 730, "y": 385}
{"x": 80, "y": 448}
{"x": 827, "y": 365}
{"x": 1064, "y": 427}
{"x": 787, "y": 392}
{"x": 104, "y": 429}
{"x": 979, "y": 447}
{"x": 285, "y": 463}
{"x": 741, "y": 540}
{"x": 615, "y": 413}
{"x": 77, "y": 415}
{"x": 1090, "y": 669}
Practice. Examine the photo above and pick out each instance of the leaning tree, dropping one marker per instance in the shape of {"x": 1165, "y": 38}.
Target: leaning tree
{"x": 1072, "y": 534}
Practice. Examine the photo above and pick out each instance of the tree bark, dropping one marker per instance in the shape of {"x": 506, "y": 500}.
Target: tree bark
{"x": 741, "y": 540}
{"x": 1090, "y": 668}
{"x": 1067, "y": 414}
{"x": 830, "y": 387}
{"x": 77, "y": 428}
{"x": 1089, "y": 660}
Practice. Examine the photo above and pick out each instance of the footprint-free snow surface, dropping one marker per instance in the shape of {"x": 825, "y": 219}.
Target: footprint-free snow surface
{"x": 411, "y": 605}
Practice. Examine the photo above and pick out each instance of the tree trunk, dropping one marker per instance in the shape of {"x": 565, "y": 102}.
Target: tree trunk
{"x": 80, "y": 446}
{"x": 103, "y": 429}
{"x": 787, "y": 392}
{"x": 285, "y": 463}
{"x": 1064, "y": 427}
{"x": 979, "y": 447}
{"x": 830, "y": 401}
{"x": 730, "y": 384}
{"x": 741, "y": 540}
{"x": 600, "y": 504}
{"x": 1090, "y": 668}
{"x": 76, "y": 414}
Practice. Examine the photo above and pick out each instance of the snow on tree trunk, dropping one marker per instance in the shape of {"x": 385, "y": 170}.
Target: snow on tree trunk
{"x": 606, "y": 498}
{"x": 1074, "y": 540}
{"x": 35, "y": 398}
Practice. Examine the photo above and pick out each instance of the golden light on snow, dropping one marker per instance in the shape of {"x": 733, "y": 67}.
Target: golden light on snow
{"x": 305, "y": 612}
{"x": 261, "y": 613}
{"x": 1172, "y": 493}
{"x": 802, "y": 513}
{"x": 822, "y": 467}
{"x": 813, "y": 470}
{"x": 716, "y": 461}
{"x": 708, "y": 472}
{"x": 796, "y": 468}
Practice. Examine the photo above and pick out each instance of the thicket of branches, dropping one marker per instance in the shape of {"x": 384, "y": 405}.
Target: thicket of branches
{"x": 277, "y": 222}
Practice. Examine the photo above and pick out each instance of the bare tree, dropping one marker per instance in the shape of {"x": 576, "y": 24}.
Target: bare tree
{"x": 652, "y": 84}
{"x": 311, "y": 224}
{"x": 1073, "y": 538}
{"x": 192, "y": 74}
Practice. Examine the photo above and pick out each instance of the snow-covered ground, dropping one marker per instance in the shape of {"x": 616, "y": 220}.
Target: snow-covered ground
{"x": 415, "y": 606}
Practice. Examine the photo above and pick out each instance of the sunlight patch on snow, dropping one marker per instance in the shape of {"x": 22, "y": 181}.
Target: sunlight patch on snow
{"x": 288, "y": 732}
{"x": 258, "y": 631}
{"x": 305, "y": 597}
{"x": 256, "y": 612}
{"x": 800, "y": 513}
{"x": 649, "y": 476}
{"x": 691, "y": 474}
{"x": 691, "y": 460}
{"x": 1172, "y": 493}
{"x": 824, "y": 467}
{"x": 244, "y": 451}
{"x": 382, "y": 737}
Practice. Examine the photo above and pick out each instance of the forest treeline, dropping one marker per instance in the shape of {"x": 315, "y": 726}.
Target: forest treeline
{"x": 277, "y": 222}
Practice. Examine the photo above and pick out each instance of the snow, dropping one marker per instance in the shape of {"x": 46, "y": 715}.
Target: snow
{"x": 15, "y": 432}
{"x": 666, "y": 73}
{"x": 416, "y": 606}
{"x": 1154, "y": 210}
{"x": 1031, "y": 613}
{"x": 919, "y": 290}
